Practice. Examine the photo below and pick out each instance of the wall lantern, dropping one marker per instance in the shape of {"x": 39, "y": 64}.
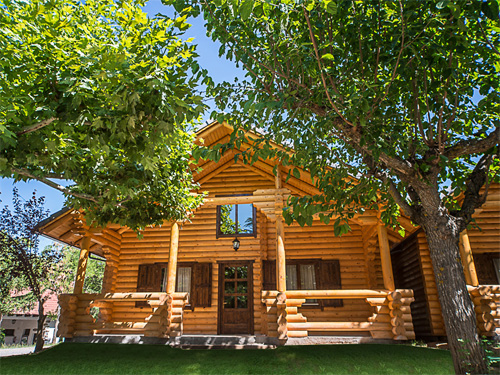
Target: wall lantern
{"x": 236, "y": 244}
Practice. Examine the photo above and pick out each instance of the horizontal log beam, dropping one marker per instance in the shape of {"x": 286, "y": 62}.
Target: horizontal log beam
{"x": 325, "y": 294}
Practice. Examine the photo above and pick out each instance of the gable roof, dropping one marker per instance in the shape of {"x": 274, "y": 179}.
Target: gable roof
{"x": 61, "y": 225}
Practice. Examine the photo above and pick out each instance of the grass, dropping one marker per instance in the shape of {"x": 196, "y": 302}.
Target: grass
{"x": 72, "y": 358}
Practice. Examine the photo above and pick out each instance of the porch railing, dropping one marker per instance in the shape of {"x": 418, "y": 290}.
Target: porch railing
{"x": 486, "y": 300}
{"x": 164, "y": 321}
{"x": 391, "y": 318}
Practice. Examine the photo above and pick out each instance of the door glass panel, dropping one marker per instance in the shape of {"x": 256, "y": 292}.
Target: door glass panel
{"x": 245, "y": 218}
{"x": 229, "y": 287}
{"x": 242, "y": 302}
{"x": 242, "y": 287}
{"x": 229, "y": 272}
{"x": 242, "y": 272}
{"x": 229, "y": 302}
{"x": 228, "y": 219}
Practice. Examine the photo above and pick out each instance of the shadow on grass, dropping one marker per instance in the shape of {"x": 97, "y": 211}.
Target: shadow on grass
{"x": 71, "y": 358}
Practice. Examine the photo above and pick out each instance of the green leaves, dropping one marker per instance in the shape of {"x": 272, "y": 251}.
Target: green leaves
{"x": 122, "y": 88}
{"x": 245, "y": 9}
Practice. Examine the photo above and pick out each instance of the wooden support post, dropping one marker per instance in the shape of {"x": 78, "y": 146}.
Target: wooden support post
{"x": 468, "y": 260}
{"x": 172, "y": 258}
{"x": 280, "y": 236}
{"x": 280, "y": 255}
{"x": 82, "y": 264}
{"x": 385, "y": 257}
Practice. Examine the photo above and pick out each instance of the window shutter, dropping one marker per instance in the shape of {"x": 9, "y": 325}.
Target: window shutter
{"x": 485, "y": 269}
{"x": 329, "y": 278}
{"x": 269, "y": 275}
{"x": 149, "y": 278}
{"x": 201, "y": 285}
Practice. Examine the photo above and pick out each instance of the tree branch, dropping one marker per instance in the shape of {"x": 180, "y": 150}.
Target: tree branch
{"x": 318, "y": 59}
{"x": 37, "y": 126}
{"x": 54, "y": 185}
{"x": 476, "y": 180}
{"x": 473, "y": 146}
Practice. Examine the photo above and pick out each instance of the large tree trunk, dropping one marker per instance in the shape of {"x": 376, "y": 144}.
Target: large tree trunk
{"x": 456, "y": 304}
{"x": 40, "y": 325}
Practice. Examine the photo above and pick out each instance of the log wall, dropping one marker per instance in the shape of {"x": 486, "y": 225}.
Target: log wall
{"x": 197, "y": 242}
{"x": 319, "y": 242}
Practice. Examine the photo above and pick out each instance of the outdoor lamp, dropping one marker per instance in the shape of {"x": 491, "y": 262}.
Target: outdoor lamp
{"x": 236, "y": 244}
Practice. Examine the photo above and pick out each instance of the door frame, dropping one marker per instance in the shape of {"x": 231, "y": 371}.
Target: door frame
{"x": 220, "y": 294}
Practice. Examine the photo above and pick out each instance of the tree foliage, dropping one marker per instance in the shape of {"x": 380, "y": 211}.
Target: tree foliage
{"x": 67, "y": 269}
{"x": 27, "y": 274}
{"x": 98, "y": 93}
{"x": 390, "y": 103}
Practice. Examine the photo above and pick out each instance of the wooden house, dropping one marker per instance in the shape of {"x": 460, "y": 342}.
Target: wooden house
{"x": 236, "y": 268}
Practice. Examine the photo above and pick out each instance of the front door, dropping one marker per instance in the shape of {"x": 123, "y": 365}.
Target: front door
{"x": 235, "y": 298}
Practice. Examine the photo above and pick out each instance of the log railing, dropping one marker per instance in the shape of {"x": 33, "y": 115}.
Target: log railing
{"x": 165, "y": 320}
{"x": 391, "y": 317}
{"x": 486, "y": 300}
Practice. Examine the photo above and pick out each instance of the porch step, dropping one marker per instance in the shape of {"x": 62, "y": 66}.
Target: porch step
{"x": 224, "y": 342}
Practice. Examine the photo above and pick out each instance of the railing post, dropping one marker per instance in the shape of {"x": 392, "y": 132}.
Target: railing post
{"x": 467, "y": 260}
{"x": 172, "y": 258}
{"x": 82, "y": 264}
{"x": 385, "y": 257}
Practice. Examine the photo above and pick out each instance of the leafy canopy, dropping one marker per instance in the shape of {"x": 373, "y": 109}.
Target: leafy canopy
{"x": 98, "y": 93}
{"x": 26, "y": 273}
{"x": 404, "y": 96}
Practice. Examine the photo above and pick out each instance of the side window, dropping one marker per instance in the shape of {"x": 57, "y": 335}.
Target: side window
{"x": 306, "y": 275}
{"x": 236, "y": 220}
{"x": 183, "y": 279}
{"x": 192, "y": 278}
{"x": 301, "y": 276}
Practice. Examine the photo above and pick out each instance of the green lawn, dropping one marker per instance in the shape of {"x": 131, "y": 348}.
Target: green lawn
{"x": 70, "y": 358}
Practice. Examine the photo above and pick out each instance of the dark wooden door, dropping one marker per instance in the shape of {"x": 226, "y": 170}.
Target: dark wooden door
{"x": 408, "y": 274}
{"x": 235, "y": 298}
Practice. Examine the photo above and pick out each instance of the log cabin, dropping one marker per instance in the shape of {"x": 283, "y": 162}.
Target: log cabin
{"x": 235, "y": 268}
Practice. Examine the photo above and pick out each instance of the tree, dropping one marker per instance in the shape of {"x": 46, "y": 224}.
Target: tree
{"x": 99, "y": 94}
{"x": 27, "y": 274}
{"x": 404, "y": 96}
{"x": 67, "y": 268}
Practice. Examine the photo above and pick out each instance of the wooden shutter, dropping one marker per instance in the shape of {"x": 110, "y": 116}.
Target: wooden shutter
{"x": 149, "y": 278}
{"x": 269, "y": 275}
{"x": 329, "y": 278}
{"x": 485, "y": 269}
{"x": 201, "y": 285}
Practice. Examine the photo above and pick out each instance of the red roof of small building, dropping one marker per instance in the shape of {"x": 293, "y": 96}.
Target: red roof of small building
{"x": 50, "y": 305}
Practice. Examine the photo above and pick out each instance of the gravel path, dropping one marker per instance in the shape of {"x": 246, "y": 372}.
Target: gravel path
{"x": 16, "y": 351}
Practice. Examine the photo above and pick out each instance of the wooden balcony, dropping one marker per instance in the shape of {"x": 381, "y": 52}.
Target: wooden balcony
{"x": 391, "y": 317}
{"x": 165, "y": 321}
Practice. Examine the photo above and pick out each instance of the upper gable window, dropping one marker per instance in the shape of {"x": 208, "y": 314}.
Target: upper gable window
{"x": 236, "y": 220}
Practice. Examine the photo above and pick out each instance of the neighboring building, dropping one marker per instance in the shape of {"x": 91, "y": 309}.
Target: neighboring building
{"x": 21, "y": 327}
{"x": 236, "y": 268}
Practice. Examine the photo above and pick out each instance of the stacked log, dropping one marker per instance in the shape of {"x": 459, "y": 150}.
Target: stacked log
{"x": 392, "y": 316}
{"x": 402, "y": 326}
{"x": 276, "y": 315}
{"x": 485, "y": 307}
{"x": 68, "y": 304}
{"x": 295, "y": 320}
{"x": 281, "y": 317}
{"x": 157, "y": 323}
{"x": 175, "y": 307}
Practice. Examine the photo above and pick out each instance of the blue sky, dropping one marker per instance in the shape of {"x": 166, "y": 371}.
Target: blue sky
{"x": 219, "y": 69}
